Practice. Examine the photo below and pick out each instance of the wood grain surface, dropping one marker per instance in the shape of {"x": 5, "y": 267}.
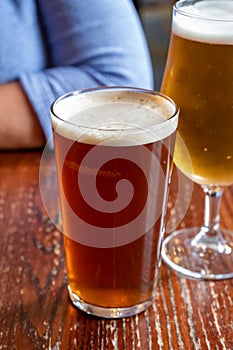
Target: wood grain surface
{"x": 35, "y": 311}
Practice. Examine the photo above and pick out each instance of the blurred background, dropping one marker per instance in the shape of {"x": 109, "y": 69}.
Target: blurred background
{"x": 156, "y": 20}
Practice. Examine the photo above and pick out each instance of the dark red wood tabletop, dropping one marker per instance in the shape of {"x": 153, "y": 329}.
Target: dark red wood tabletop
{"x": 35, "y": 311}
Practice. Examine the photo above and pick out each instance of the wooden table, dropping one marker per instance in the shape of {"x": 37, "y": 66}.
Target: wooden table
{"x": 35, "y": 312}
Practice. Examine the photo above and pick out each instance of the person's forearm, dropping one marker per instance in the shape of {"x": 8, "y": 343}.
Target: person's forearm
{"x": 19, "y": 126}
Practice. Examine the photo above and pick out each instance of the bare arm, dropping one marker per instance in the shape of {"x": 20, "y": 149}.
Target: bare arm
{"x": 82, "y": 44}
{"x": 19, "y": 126}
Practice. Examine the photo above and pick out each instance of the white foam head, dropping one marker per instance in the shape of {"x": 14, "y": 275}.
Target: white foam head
{"x": 206, "y": 21}
{"x": 114, "y": 117}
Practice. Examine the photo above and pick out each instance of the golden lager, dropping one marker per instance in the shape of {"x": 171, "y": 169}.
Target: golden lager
{"x": 199, "y": 77}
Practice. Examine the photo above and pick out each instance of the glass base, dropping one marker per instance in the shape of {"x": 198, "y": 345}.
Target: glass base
{"x": 193, "y": 253}
{"x": 108, "y": 312}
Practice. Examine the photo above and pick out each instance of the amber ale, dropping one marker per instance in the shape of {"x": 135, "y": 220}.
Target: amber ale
{"x": 199, "y": 77}
{"x": 113, "y": 160}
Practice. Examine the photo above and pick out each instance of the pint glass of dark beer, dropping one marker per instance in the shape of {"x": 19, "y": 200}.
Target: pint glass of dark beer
{"x": 113, "y": 149}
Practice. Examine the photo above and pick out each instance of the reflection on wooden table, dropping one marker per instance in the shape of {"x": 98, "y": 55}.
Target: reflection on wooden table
{"x": 35, "y": 312}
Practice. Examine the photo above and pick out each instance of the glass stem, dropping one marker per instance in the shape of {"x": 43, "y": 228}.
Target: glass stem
{"x": 213, "y": 197}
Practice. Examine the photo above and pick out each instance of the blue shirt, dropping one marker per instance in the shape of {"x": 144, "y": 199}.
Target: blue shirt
{"x": 55, "y": 46}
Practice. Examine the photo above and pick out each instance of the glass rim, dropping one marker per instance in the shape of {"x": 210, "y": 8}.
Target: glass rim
{"x": 179, "y": 4}
{"x": 173, "y": 116}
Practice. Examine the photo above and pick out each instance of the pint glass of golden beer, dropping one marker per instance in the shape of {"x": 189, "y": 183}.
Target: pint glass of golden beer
{"x": 113, "y": 150}
{"x": 199, "y": 77}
